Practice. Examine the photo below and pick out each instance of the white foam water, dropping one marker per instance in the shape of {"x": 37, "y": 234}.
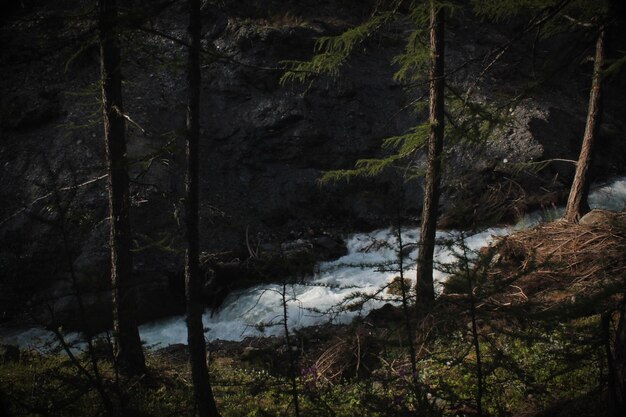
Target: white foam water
{"x": 610, "y": 196}
{"x": 329, "y": 296}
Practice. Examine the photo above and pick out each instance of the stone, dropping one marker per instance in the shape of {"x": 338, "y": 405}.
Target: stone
{"x": 265, "y": 145}
{"x": 598, "y": 218}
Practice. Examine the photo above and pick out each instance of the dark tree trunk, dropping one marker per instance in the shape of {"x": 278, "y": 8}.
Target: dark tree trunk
{"x": 577, "y": 201}
{"x": 203, "y": 393}
{"x": 616, "y": 360}
{"x": 292, "y": 359}
{"x": 129, "y": 354}
{"x": 425, "y": 285}
{"x": 619, "y": 362}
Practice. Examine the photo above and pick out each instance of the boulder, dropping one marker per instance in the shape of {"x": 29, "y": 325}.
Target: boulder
{"x": 388, "y": 313}
{"x": 264, "y": 146}
{"x": 598, "y": 218}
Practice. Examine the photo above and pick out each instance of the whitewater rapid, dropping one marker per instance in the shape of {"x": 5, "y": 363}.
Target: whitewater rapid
{"x": 371, "y": 263}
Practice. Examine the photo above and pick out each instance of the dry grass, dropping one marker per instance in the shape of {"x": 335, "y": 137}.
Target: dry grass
{"x": 351, "y": 354}
{"x": 559, "y": 263}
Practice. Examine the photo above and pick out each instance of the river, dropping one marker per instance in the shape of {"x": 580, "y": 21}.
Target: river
{"x": 329, "y": 296}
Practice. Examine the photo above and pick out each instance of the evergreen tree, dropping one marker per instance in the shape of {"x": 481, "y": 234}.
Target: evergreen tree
{"x": 616, "y": 358}
{"x": 599, "y": 17}
{"x": 424, "y": 284}
{"x": 571, "y": 15}
{"x": 203, "y": 393}
{"x": 129, "y": 353}
{"x": 577, "y": 200}
{"x": 333, "y": 52}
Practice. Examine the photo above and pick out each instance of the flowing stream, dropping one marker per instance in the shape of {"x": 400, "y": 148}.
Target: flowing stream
{"x": 329, "y": 296}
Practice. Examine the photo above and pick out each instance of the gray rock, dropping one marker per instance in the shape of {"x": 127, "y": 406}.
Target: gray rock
{"x": 264, "y": 146}
{"x": 598, "y": 218}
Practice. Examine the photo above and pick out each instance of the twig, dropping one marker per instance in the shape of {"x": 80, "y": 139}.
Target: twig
{"x": 50, "y": 194}
{"x": 521, "y": 292}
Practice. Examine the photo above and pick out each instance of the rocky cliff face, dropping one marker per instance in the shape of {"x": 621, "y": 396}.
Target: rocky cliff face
{"x": 264, "y": 146}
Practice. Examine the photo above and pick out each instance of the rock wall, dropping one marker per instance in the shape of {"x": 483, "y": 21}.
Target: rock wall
{"x": 264, "y": 145}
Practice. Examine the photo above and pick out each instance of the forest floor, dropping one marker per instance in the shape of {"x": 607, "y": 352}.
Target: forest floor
{"x": 518, "y": 330}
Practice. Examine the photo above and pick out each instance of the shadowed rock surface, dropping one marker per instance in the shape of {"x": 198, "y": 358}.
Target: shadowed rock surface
{"x": 264, "y": 146}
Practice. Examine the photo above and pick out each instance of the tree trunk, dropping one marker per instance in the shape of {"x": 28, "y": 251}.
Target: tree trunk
{"x": 203, "y": 393}
{"x": 577, "y": 201}
{"x": 619, "y": 361}
{"x": 128, "y": 350}
{"x": 425, "y": 285}
{"x": 616, "y": 360}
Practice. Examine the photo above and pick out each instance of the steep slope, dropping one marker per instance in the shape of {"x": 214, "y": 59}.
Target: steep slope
{"x": 264, "y": 145}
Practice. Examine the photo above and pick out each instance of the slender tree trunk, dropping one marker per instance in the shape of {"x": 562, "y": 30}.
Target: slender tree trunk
{"x": 203, "y": 394}
{"x": 577, "y": 201}
{"x": 425, "y": 285}
{"x": 408, "y": 326}
{"x": 616, "y": 360}
{"x": 476, "y": 342}
{"x": 292, "y": 359}
{"x": 619, "y": 361}
{"x": 128, "y": 346}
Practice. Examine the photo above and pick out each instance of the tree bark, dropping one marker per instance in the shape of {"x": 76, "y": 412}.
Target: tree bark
{"x": 619, "y": 361}
{"x": 616, "y": 360}
{"x": 203, "y": 393}
{"x": 128, "y": 349}
{"x": 425, "y": 285}
{"x": 577, "y": 201}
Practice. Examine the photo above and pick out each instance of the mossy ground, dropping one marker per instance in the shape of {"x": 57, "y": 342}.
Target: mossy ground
{"x": 538, "y": 323}
{"x": 525, "y": 374}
